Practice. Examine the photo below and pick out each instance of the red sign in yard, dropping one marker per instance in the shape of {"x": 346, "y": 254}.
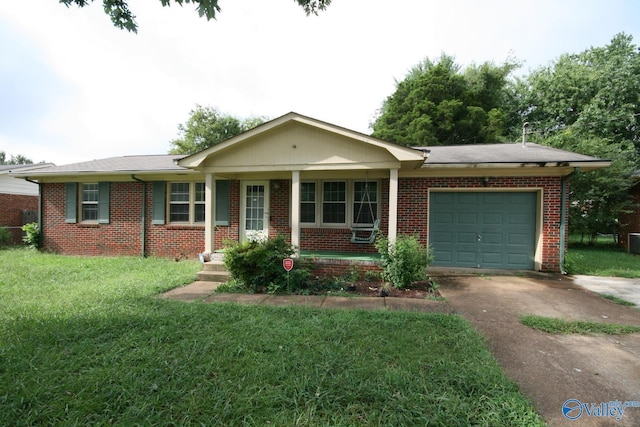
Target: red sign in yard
{"x": 287, "y": 263}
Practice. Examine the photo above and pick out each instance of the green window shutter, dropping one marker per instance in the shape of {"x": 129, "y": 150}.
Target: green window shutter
{"x": 222, "y": 202}
{"x": 103, "y": 202}
{"x": 71, "y": 202}
{"x": 159, "y": 206}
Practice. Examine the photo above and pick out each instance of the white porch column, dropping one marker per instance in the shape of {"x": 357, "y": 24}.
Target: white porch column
{"x": 393, "y": 205}
{"x": 209, "y": 212}
{"x": 295, "y": 211}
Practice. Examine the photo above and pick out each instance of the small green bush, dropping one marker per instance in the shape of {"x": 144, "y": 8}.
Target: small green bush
{"x": 5, "y": 236}
{"x": 32, "y": 235}
{"x": 405, "y": 261}
{"x": 257, "y": 266}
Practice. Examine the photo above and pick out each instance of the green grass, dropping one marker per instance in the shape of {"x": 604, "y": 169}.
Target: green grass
{"x": 83, "y": 341}
{"x": 617, "y": 300}
{"x": 604, "y": 258}
{"x": 580, "y": 327}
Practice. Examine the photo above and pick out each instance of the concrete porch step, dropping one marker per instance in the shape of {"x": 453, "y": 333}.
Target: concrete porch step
{"x": 213, "y": 271}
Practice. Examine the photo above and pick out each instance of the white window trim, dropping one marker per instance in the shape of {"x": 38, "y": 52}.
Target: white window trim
{"x": 82, "y": 203}
{"x": 192, "y": 203}
{"x": 350, "y": 202}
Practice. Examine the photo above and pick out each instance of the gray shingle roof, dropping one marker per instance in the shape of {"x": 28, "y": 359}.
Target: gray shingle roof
{"x": 124, "y": 164}
{"x": 500, "y": 153}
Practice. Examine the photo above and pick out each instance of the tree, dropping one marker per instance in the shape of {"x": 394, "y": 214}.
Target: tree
{"x": 589, "y": 103}
{"x": 14, "y": 160}
{"x": 123, "y": 18}
{"x": 437, "y": 104}
{"x": 207, "y": 127}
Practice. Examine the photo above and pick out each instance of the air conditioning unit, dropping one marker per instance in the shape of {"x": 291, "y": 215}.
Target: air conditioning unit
{"x": 634, "y": 243}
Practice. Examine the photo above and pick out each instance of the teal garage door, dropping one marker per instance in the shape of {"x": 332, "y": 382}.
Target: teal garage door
{"x": 483, "y": 229}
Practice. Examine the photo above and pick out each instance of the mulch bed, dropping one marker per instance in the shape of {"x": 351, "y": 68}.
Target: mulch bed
{"x": 421, "y": 289}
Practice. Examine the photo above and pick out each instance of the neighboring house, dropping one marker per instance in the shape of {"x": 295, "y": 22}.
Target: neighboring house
{"x": 18, "y": 200}
{"x": 480, "y": 206}
{"x": 630, "y": 222}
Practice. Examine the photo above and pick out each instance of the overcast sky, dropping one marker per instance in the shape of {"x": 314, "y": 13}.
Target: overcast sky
{"x": 74, "y": 88}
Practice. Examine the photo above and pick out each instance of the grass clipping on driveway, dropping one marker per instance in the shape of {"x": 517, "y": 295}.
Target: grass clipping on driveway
{"x": 83, "y": 341}
{"x": 559, "y": 326}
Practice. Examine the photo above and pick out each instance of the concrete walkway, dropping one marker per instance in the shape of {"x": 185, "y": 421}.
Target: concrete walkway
{"x": 626, "y": 289}
{"x": 205, "y": 291}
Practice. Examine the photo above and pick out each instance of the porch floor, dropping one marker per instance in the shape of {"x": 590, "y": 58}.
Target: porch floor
{"x": 346, "y": 256}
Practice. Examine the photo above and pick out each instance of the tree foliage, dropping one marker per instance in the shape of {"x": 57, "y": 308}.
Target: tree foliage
{"x": 589, "y": 103}
{"x": 123, "y": 18}
{"x": 438, "y": 104}
{"x": 14, "y": 160}
{"x": 207, "y": 127}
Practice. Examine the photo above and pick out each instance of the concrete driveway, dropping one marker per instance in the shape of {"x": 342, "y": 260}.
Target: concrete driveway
{"x": 627, "y": 289}
{"x": 554, "y": 369}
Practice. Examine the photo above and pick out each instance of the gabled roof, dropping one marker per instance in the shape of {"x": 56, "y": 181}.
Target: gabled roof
{"x": 507, "y": 155}
{"x": 400, "y": 153}
{"x": 113, "y": 165}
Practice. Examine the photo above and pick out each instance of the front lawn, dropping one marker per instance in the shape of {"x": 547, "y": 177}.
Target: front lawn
{"x": 604, "y": 258}
{"x": 83, "y": 341}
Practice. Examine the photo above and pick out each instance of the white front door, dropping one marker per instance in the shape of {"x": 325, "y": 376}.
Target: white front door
{"x": 254, "y": 200}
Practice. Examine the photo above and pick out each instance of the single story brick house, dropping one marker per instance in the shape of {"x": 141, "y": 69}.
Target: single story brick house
{"x": 326, "y": 188}
{"x": 18, "y": 200}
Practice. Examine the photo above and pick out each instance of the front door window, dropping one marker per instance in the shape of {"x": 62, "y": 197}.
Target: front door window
{"x": 255, "y": 210}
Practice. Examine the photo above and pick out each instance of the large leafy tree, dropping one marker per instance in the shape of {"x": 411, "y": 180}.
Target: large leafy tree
{"x": 207, "y": 127}
{"x": 589, "y": 103}
{"x": 123, "y": 18}
{"x": 437, "y": 103}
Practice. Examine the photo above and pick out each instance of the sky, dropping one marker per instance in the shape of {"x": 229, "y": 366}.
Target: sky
{"x": 75, "y": 88}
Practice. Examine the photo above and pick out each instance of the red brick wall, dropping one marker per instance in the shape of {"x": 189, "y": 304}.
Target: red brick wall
{"x": 123, "y": 235}
{"x": 11, "y": 207}
{"x": 630, "y": 222}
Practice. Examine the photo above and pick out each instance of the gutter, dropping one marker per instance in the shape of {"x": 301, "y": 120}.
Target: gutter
{"x": 563, "y": 217}
{"x": 144, "y": 215}
{"x": 40, "y": 225}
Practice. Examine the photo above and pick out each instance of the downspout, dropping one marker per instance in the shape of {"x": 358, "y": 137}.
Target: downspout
{"x": 563, "y": 217}
{"x": 40, "y": 225}
{"x": 144, "y": 215}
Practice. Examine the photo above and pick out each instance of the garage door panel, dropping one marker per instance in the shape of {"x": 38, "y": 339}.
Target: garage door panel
{"x": 469, "y": 258}
{"x": 493, "y": 218}
{"x": 493, "y": 238}
{"x": 505, "y": 223}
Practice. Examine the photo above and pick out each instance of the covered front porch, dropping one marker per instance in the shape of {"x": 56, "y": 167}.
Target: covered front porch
{"x": 328, "y": 189}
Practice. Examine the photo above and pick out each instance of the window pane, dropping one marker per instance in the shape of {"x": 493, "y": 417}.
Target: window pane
{"x": 179, "y": 213}
{"x": 334, "y": 204}
{"x": 308, "y": 192}
{"x": 333, "y": 213}
{"x": 308, "y": 212}
{"x": 364, "y": 213}
{"x": 199, "y": 213}
{"x": 199, "y": 191}
{"x": 365, "y": 206}
{"x": 308, "y": 202}
{"x": 90, "y": 192}
{"x": 179, "y": 192}
{"x": 335, "y": 191}
{"x": 90, "y": 212}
